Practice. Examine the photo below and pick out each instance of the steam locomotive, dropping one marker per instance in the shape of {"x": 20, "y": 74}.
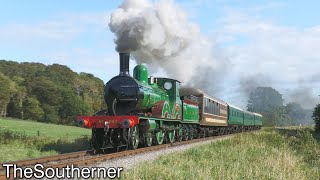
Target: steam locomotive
{"x": 146, "y": 111}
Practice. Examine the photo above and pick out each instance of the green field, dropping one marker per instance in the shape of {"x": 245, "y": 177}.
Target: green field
{"x": 32, "y": 128}
{"x": 20, "y": 139}
{"x": 267, "y": 154}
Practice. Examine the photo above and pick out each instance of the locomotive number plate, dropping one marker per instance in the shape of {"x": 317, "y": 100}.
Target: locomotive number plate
{"x": 113, "y": 121}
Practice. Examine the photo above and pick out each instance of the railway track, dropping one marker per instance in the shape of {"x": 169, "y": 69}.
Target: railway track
{"x": 85, "y": 158}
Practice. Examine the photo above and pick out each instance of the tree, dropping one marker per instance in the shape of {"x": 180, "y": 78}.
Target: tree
{"x": 316, "y": 118}
{"x": 264, "y": 99}
{"x": 268, "y": 102}
{"x": 50, "y": 114}
{"x": 72, "y": 106}
{"x": 91, "y": 90}
{"x": 15, "y": 106}
{"x": 281, "y": 116}
{"x": 296, "y": 113}
{"x": 51, "y": 93}
{"x": 32, "y": 109}
{"x": 7, "y": 89}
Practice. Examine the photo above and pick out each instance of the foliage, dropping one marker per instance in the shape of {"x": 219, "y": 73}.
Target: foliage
{"x": 32, "y": 108}
{"x": 264, "y": 99}
{"x": 295, "y": 111}
{"x": 316, "y": 118}
{"x": 268, "y": 102}
{"x": 279, "y": 116}
{"x": 7, "y": 88}
{"x": 52, "y": 93}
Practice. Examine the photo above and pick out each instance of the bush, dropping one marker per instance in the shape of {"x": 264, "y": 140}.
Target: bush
{"x": 316, "y": 118}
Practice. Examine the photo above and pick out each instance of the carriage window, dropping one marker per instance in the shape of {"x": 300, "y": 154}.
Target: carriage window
{"x": 212, "y": 108}
{"x": 217, "y": 109}
{"x": 206, "y": 105}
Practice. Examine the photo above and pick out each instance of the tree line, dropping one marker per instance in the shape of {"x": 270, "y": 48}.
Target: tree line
{"x": 269, "y": 102}
{"x": 47, "y": 93}
{"x": 56, "y": 94}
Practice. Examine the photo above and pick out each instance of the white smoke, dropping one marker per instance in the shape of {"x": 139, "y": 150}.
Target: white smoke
{"x": 160, "y": 35}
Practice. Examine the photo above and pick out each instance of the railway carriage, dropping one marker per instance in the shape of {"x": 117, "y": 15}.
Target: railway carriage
{"x": 213, "y": 115}
{"x": 235, "y": 117}
{"x": 257, "y": 120}
{"x": 248, "y": 120}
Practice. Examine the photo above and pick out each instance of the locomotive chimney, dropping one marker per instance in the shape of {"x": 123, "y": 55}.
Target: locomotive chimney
{"x": 124, "y": 64}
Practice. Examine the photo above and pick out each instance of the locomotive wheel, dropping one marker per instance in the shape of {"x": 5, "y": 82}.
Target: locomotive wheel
{"x": 191, "y": 133}
{"x": 202, "y": 133}
{"x": 179, "y": 134}
{"x": 148, "y": 140}
{"x": 133, "y": 137}
{"x": 185, "y": 134}
{"x": 171, "y": 136}
{"x": 159, "y": 137}
{"x": 97, "y": 138}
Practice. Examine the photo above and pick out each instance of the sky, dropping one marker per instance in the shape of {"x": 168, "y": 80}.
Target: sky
{"x": 267, "y": 43}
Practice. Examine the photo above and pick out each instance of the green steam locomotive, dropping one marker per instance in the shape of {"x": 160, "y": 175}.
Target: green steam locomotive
{"x": 146, "y": 111}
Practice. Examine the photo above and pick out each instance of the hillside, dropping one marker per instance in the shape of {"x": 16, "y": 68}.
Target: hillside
{"x": 47, "y": 93}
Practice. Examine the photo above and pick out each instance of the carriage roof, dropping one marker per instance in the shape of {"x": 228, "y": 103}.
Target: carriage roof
{"x": 197, "y": 92}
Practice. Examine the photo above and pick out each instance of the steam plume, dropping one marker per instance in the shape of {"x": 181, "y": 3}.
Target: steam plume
{"x": 250, "y": 83}
{"x": 160, "y": 35}
{"x": 303, "y": 95}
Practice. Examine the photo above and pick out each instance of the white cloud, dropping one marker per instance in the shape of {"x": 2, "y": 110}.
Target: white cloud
{"x": 60, "y": 28}
{"x": 63, "y": 39}
{"x": 287, "y": 55}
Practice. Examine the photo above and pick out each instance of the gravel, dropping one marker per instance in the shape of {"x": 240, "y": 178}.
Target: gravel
{"x": 128, "y": 162}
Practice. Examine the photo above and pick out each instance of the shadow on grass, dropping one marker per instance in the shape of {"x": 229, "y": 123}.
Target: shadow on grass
{"x": 297, "y": 133}
{"x": 289, "y": 132}
{"x": 63, "y": 146}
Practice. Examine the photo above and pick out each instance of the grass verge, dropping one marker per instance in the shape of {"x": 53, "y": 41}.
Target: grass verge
{"x": 19, "y": 139}
{"x": 33, "y": 128}
{"x": 267, "y": 154}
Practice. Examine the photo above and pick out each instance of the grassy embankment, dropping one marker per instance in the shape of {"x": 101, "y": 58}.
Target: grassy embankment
{"x": 267, "y": 154}
{"x": 20, "y": 139}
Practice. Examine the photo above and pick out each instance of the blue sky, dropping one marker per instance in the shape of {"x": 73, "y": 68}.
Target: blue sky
{"x": 279, "y": 40}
